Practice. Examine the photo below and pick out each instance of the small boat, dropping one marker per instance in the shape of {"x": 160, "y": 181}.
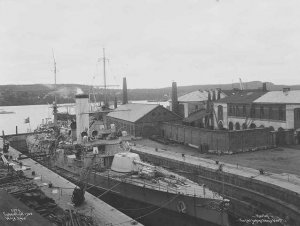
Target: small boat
{"x": 7, "y": 112}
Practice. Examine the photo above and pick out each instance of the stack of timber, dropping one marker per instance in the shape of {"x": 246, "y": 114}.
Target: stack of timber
{"x": 25, "y": 190}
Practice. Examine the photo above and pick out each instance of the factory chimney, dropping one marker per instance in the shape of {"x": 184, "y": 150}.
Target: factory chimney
{"x": 125, "y": 98}
{"x": 174, "y": 98}
{"x": 116, "y": 102}
{"x": 82, "y": 116}
{"x": 264, "y": 87}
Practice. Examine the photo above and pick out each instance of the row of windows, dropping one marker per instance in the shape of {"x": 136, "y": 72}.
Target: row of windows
{"x": 257, "y": 111}
{"x": 238, "y": 126}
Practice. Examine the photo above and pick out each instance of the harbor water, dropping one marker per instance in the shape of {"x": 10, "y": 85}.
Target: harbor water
{"x": 36, "y": 114}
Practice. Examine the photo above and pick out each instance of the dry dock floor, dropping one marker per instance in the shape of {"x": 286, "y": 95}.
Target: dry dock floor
{"x": 62, "y": 190}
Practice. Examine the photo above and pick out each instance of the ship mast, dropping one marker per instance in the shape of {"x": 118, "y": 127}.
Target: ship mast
{"x": 54, "y": 102}
{"x": 104, "y": 59}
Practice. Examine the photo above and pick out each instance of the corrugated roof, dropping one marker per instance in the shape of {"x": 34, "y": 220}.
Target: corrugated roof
{"x": 289, "y": 97}
{"x": 197, "y": 96}
{"x": 242, "y": 96}
{"x": 132, "y": 112}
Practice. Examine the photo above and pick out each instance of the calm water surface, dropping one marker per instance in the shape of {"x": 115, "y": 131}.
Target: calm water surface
{"x": 37, "y": 114}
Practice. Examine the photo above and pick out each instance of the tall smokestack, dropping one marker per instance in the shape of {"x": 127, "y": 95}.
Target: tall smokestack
{"x": 174, "y": 98}
{"x": 82, "y": 116}
{"x": 125, "y": 98}
{"x": 264, "y": 86}
{"x": 116, "y": 102}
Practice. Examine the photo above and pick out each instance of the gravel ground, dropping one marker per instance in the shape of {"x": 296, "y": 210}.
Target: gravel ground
{"x": 278, "y": 160}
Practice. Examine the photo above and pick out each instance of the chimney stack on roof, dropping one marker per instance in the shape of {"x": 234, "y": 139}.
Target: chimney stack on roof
{"x": 286, "y": 90}
{"x": 213, "y": 95}
{"x": 219, "y": 94}
{"x": 125, "y": 98}
{"x": 264, "y": 88}
{"x": 174, "y": 98}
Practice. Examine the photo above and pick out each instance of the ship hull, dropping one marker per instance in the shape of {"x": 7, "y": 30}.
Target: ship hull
{"x": 185, "y": 205}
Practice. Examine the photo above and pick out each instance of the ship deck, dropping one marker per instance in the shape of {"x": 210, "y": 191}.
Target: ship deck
{"x": 189, "y": 188}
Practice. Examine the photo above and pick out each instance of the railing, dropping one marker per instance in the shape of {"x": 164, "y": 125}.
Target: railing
{"x": 185, "y": 190}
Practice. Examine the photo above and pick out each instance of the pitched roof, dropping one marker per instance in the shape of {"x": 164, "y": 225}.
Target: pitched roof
{"x": 289, "y": 97}
{"x": 242, "y": 97}
{"x": 196, "y": 116}
{"x": 132, "y": 112}
{"x": 197, "y": 96}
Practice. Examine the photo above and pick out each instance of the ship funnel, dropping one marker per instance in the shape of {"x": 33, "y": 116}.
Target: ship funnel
{"x": 125, "y": 97}
{"x": 82, "y": 116}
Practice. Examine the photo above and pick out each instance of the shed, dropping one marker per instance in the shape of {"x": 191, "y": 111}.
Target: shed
{"x": 140, "y": 119}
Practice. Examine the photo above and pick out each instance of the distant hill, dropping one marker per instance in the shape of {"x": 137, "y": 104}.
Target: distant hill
{"x": 11, "y": 95}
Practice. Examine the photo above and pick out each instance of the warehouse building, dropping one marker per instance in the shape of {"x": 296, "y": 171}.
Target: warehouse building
{"x": 140, "y": 119}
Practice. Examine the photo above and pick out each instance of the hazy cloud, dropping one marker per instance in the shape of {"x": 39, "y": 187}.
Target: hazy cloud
{"x": 150, "y": 42}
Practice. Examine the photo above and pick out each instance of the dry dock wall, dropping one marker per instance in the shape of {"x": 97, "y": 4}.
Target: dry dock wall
{"x": 249, "y": 196}
{"x": 219, "y": 140}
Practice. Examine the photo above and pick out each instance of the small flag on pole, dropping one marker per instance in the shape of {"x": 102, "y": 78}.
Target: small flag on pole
{"x": 27, "y": 120}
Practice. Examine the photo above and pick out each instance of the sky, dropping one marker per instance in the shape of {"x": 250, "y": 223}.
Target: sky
{"x": 150, "y": 42}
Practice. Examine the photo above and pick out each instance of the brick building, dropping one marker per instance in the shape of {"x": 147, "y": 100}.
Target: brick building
{"x": 140, "y": 119}
{"x": 277, "y": 110}
{"x": 236, "y": 112}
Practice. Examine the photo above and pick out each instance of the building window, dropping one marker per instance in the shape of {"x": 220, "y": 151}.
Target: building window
{"x": 237, "y": 111}
{"x": 237, "y": 126}
{"x": 244, "y": 110}
{"x": 298, "y": 114}
{"x": 230, "y": 110}
{"x": 262, "y": 113}
{"x": 230, "y": 126}
{"x": 252, "y": 111}
{"x": 270, "y": 113}
{"x": 281, "y": 113}
{"x": 220, "y": 113}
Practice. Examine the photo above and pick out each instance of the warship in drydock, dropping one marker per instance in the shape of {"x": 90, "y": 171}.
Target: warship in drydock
{"x": 125, "y": 175}
{"x": 100, "y": 159}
